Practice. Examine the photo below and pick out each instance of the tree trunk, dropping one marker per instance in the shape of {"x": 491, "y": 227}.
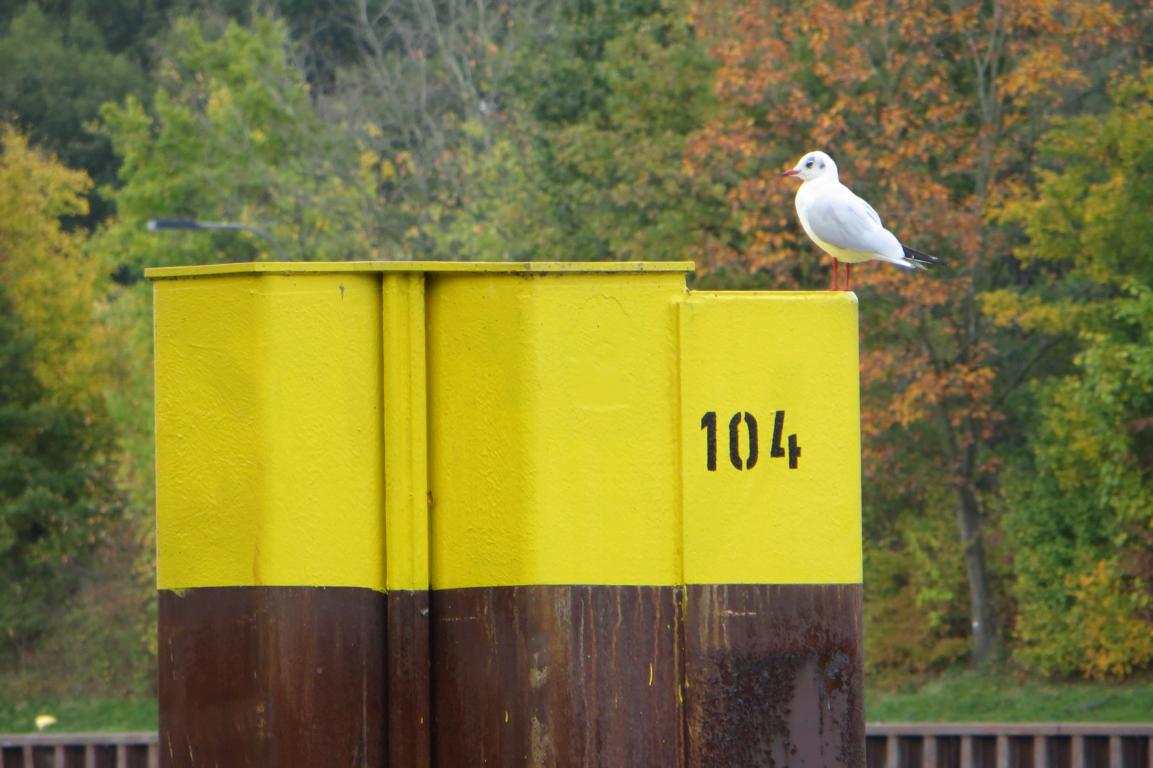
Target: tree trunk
{"x": 986, "y": 640}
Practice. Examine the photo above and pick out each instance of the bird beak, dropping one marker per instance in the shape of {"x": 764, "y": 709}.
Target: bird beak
{"x": 790, "y": 172}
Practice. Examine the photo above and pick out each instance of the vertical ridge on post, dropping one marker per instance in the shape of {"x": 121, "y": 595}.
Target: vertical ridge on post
{"x": 406, "y": 519}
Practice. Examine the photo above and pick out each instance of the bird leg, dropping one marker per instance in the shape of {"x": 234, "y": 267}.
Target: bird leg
{"x": 848, "y": 277}
{"x": 833, "y": 286}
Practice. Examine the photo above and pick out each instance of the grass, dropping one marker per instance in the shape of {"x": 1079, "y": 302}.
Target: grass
{"x": 988, "y": 697}
{"x": 953, "y": 697}
{"x": 80, "y": 715}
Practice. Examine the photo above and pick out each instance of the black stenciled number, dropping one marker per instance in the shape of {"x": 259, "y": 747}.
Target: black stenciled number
{"x": 709, "y": 424}
{"x": 777, "y": 450}
{"x": 735, "y": 441}
{"x": 754, "y": 442}
{"x": 778, "y": 427}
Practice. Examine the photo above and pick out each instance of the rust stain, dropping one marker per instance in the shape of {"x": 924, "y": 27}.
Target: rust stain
{"x": 556, "y": 675}
{"x": 239, "y": 686}
{"x": 783, "y": 685}
{"x": 685, "y": 677}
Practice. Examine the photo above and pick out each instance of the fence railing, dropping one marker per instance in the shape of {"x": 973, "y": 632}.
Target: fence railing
{"x": 1009, "y": 745}
{"x": 888, "y": 745}
{"x": 80, "y": 750}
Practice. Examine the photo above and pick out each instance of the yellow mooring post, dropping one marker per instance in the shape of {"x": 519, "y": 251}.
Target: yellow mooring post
{"x": 416, "y": 514}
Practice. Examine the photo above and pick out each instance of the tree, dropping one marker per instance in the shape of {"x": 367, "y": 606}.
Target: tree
{"x": 591, "y": 167}
{"x": 57, "y": 73}
{"x": 1078, "y": 498}
{"x": 425, "y": 91}
{"x": 57, "y": 497}
{"x": 932, "y": 111}
{"x": 233, "y": 135}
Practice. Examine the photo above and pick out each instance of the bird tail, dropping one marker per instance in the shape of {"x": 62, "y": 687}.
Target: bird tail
{"x": 921, "y": 260}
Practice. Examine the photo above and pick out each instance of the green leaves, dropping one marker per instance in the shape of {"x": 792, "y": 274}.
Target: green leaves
{"x": 57, "y": 73}
{"x": 234, "y": 136}
{"x": 603, "y": 177}
{"x": 56, "y": 492}
{"x": 1078, "y": 502}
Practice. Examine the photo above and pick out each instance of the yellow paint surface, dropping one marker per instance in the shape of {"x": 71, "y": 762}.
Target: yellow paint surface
{"x": 759, "y": 353}
{"x": 396, "y": 428}
{"x": 553, "y": 429}
{"x": 421, "y": 267}
{"x": 268, "y": 393}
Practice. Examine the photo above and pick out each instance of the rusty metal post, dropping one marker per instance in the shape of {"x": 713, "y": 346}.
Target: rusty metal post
{"x": 553, "y": 439}
{"x": 772, "y": 529}
{"x": 646, "y": 540}
{"x": 505, "y": 514}
{"x": 269, "y": 516}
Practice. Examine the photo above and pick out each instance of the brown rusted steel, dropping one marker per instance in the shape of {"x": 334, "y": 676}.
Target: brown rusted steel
{"x": 556, "y": 676}
{"x": 272, "y": 676}
{"x": 773, "y": 675}
{"x": 408, "y": 680}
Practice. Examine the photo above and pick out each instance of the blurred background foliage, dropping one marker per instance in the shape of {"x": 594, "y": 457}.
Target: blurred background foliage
{"x": 1007, "y": 398}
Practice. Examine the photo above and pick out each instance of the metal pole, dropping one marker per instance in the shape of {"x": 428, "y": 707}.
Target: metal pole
{"x": 155, "y": 225}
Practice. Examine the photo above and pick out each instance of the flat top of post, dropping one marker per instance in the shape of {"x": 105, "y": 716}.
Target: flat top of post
{"x": 516, "y": 267}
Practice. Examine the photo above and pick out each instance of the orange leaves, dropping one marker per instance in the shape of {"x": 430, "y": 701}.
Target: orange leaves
{"x": 930, "y": 109}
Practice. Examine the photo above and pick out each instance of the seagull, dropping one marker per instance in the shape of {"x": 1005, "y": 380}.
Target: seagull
{"x": 842, "y": 224}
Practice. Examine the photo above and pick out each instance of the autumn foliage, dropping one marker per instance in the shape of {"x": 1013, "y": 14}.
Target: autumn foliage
{"x": 933, "y": 112}
{"x": 1006, "y": 395}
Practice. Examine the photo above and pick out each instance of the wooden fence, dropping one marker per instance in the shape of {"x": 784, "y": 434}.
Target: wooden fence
{"x": 890, "y": 745}
{"x": 80, "y": 750}
{"x": 1009, "y": 745}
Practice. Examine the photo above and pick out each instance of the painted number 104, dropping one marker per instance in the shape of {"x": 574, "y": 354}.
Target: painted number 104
{"x": 743, "y": 421}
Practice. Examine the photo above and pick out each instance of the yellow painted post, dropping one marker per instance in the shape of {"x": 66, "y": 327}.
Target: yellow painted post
{"x": 553, "y": 435}
{"x": 270, "y": 562}
{"x": 534, "y": 513}
{"x": 770, "y": 457}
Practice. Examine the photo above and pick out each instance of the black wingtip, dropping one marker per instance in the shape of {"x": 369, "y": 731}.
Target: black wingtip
{"x": 922, "y": 260}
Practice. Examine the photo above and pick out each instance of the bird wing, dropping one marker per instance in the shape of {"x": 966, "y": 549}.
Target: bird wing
{"x": 840, "y": 218}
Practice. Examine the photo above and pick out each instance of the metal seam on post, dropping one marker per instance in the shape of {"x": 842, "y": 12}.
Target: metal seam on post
{"x": 406, "y": 523}
{"x": 405, "y": 432}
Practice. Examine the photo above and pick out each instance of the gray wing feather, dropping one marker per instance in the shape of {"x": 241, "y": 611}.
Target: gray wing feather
{"x": 848, "y": 222}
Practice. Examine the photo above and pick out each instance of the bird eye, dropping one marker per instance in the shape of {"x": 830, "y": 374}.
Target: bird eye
{"x": 809, "y": 164}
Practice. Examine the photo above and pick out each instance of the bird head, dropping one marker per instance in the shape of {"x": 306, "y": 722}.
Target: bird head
{"x": 813, "y": 165}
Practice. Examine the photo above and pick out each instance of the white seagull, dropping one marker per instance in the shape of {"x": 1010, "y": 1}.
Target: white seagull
{"x": 842, "y": 224}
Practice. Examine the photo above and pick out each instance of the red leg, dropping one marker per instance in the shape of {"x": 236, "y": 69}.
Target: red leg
{"x": 848, "y": 277}
{"x": 833, "y": 287}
